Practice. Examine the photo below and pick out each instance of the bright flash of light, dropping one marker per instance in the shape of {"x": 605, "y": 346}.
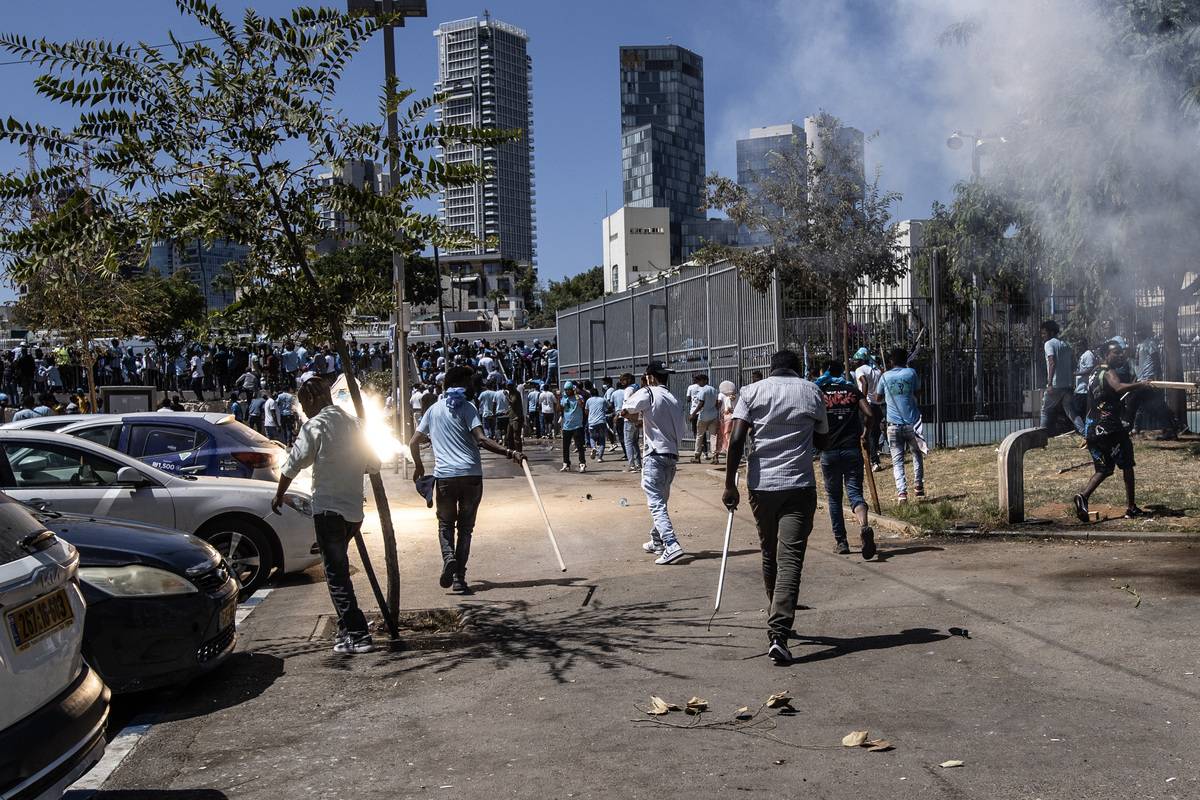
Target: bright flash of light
{"x": 377, "y": 426}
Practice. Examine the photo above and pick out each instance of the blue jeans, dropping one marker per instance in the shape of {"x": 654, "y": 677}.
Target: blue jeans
{"x": 633, "y": 444}
{"x": 842, "y": 467}
{"x": 599, "y": 435}
{"x": 901, "y": 438}
{"x": 1056, "y": 401}
{"x": 658, "y": 471}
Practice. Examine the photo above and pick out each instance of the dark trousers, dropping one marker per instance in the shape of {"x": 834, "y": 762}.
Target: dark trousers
{"x": 198, "y": 388}
{"x": 572, "y": 436}
{"x": 618, "y": 426}
{"x": 333, "y": 538}
{"x": 501, "y": 426}
{"x": 873, "y": 427}
{"x": 784, "y": 519}
{"x": 457, "y": 504}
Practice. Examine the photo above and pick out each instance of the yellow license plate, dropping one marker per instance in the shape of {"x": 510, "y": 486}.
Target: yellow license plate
{"x": 40, "y": 618}
{"x": 228, "y": 614}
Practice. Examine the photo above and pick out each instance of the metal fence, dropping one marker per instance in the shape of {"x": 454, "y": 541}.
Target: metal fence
{"x": 981, "y": 365}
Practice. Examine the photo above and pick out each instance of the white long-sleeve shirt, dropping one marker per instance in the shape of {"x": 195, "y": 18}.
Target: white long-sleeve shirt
{"x": 333, "y": 445}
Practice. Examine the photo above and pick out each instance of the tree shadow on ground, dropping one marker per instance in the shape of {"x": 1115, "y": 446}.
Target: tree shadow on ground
{"x": 487, "y": 586}
{"x": 886, "y": 553}
{"x": 856, "y": 644}
{"x": 608, "y": 637}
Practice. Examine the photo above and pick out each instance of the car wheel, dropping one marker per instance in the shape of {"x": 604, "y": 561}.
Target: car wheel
{"x": 246, "y": 550}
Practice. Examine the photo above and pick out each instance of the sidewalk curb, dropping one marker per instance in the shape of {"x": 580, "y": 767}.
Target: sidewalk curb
{"x": 1076, "y": 535}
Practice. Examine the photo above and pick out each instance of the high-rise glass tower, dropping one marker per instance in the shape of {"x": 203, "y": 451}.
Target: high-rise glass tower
{"x": 662, "y": 137}
{"x": 760, "y": 157}
{"x": 485, "y": 76}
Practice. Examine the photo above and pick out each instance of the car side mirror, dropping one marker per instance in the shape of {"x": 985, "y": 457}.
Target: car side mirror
{"x": 131, "y": 476}
{"x": 196, "y": 470}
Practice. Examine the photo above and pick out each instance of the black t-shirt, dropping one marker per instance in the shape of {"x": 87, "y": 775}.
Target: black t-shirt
{"x": 1105, "y": 407}
{"x": 841, "y": 406}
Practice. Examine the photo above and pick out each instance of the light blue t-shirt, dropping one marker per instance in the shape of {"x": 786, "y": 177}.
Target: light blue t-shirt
{"x": 899, "y": 387}
{"x": 487, "y": 403}
{"x": 455, "y": 450}
{"x": 596, "y": 407}
{"x": 572, "y": 413}
{"x": 705, "y": 402}
{"x": 1064, "y": 363}
{"x": 500, "y": 402}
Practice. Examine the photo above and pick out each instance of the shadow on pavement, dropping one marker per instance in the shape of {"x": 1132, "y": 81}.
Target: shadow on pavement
{"x": 486, "y": 586}
{"x": 608, "y": 637}
{"x": 841, "y": 647}
{"x": 243, "y": 677}
{"x": 159, "y": 794}
{"x": 705, "y": 555}
{"x": 885, "y": 553}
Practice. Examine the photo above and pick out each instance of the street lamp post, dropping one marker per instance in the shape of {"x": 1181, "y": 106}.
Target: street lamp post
{"x": 399, "y": 343}
{"x": 978, "y": 141}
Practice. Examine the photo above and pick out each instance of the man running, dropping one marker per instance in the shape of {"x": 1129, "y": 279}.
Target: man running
{"x": 662, "y": 422}
{"x": 787, "y": 416}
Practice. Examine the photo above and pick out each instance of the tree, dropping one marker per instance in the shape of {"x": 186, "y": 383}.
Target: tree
{"x": 581, "y": 288}
{"x": 226, "y": 141}
{"x": 173, "y": 308}
{"x": 829, "y": 230}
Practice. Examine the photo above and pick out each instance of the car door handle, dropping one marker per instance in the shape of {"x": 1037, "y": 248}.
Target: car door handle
{"x": 40, "y": 504}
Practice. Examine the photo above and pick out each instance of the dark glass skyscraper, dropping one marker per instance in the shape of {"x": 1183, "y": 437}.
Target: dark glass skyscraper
{"x": 662, "y": 136}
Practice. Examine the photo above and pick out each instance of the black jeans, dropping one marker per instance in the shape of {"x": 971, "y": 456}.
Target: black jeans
{"x": 572, "y": 436}
{"x": 333, "y": 538}
{"x": 785, "y": 519}
{"x": 457, "y": 504}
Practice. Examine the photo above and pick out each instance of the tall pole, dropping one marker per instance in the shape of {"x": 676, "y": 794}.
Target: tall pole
{"x": 400, "y": 332}
{"x": 437, "y": 267}
{"x": 976, "y": 320}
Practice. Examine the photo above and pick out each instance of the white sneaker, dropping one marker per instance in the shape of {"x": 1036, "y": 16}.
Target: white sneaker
{"x": 582, "y": 468}
{"x": 653, "y": 547}
{"x": 669, "y": 554}
{"x": 565, "y": 468}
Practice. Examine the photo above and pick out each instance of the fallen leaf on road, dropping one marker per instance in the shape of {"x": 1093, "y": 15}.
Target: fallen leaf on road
{"x": 779, "y": 700}
{"x": 951, "y": 763}
{"x": 658, "y": 706}
{"x": 878, "y": 746}
{"x": 854, "y": 738}
{"x": 696, "y": 706}
{"x": 743, "y": 713}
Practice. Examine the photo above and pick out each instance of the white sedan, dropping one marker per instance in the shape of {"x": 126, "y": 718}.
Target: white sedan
{"x": 57, "y": 472}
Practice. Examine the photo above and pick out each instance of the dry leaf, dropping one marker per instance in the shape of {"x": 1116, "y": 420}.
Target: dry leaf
{"x": 854, "y": 738}
{"x": 658, "y": 706}
{"x": 779, "y": 700}
{"x": 950, "y": 763}
{"x": 696, "y": 706}
{"x": 743, "y": 713}
{"x": 878, "y": 745}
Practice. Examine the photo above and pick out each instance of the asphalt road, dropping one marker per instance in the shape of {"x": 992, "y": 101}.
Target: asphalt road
{"x": 1077, "y": 677}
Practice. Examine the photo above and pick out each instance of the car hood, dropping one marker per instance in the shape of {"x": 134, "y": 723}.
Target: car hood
{"x": 103, "y": 542}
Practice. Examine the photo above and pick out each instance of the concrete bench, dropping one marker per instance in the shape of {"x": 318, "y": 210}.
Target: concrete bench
{"x": 1011, "y": 466}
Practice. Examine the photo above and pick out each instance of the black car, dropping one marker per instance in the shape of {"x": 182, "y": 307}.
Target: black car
{"x": 160, "y": 603}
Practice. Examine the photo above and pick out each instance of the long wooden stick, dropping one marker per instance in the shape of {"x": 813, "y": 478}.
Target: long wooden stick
{"x": 1173, "y": 385}
{"x": 870, "y": 478}
{"x": 541, "y": 507}
{"x": 725, "y": 554}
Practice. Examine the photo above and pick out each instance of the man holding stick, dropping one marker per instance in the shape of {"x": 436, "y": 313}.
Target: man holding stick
{"x": 842, "y": 458}
{"x": 453, "y": 428}
{"x": 787, "y": 416}
{"x": 662, "y": 422}
{"x": 331, "y": 442}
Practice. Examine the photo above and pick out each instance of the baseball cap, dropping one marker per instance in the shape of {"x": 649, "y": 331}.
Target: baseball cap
{"x": 658, "y": 369}
{"x": 862, "y": 354}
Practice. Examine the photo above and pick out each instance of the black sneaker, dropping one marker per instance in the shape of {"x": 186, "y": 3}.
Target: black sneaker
{"x": 460, "y": 587}
{"x": 448, "y": 570}
{"x": 778, "y": 652}
{"x": 843, "y": 548}
{"x": 1133, "y": 512}
{"x": 1081, "y": 509}
{"x": 868, "y": 543}
{"x": 920, "y": 492}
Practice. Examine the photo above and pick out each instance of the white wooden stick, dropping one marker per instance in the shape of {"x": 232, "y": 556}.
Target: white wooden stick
{"x": 725, "y": 552}
{"x": 1172, "y": 385}
{"x": 549, "y": 530}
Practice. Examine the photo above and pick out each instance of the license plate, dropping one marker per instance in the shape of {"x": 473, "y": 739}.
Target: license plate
{"x": 40, "y": 618}
{"x": 228, "y": 614}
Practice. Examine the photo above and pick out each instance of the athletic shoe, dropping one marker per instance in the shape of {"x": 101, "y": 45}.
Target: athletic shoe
{"x": 565, "y": 468}
{"x": 653, "y": 547}
{"x": 696, "y": 458}
{"x": 868, "y": 543}
{"x": 448, "y": 570}
{"x": 461, "y": 587}
{"x": 902, "y": 497}
{"x": 779, "y": 653}
{"x": 354, "y": 644}
{"x": 634, "y": 469}
{"x": 1133, "y": 512}
{"x": 1081, "y": 509}
{"x": 843, "y": 549}
{"x": 670, "y": 553}
{"x": 582, "y": 468}
{"x": 920, "y": 492}
{"x": 877, "y": 467}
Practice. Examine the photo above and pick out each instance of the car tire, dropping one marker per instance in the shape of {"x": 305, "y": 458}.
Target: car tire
{"x": 245, "y": 548}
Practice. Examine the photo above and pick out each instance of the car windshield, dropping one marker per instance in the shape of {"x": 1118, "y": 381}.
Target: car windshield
{"x": 16, "y": 525}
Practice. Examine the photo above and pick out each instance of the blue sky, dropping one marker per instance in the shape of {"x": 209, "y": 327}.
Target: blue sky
{"x": 766, "y": 62}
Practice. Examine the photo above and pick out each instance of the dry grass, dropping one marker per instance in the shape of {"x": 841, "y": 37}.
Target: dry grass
{"x": 962, "y": 487}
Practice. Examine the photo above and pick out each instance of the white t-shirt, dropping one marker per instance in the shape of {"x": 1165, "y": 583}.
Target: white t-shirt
{"x": 872, "y": 374}
{"x": 414, "y": 399}
{"x": 269, "y": 413}
{"x": 197, "y": 367}
{"x": 662, "y": 418}
{"x": 546, "y": 400}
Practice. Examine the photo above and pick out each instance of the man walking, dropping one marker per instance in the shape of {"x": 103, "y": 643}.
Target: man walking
{"x": 597, "y": 420}
{"x": 897, "y": 389}
{"x": 866, "y": 377}
{"x": 331, "y": 442}
{"x": 662, "y": 422}
{"x": 631, "y": 423}
{"x": 572, "y": 427}
{"x": 705, "y": 415}
{"x": 841, "y": 458}
{"x": 452, "y": 426}
{"x": 1060, "y": 380}
{"x": 786, "y": 414}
